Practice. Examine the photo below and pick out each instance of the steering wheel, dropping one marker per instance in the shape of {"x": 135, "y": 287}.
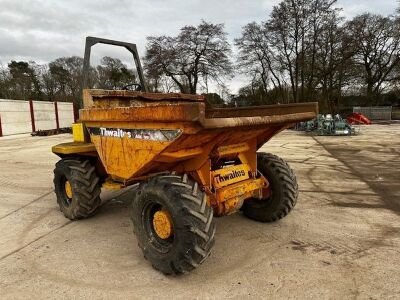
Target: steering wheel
{"x": 137, "y": 86}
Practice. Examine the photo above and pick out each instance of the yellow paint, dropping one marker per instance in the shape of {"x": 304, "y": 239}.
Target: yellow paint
{"x": 180, "y": 155}
{"x": 232, "y": 149}
{"x": 78, "y": 132}
{"x": 110, "y": 184}
{"x": 239, "y": 189}
{"x": 249, "y": 157}
{"x": 227, "y": 176}
{"x": 230, "y": 198}
{"x": 126, "y": 157}
{"x": 131, "y": 160}
{"x": 68, "y": 189}
{"x": 72, "y": 148}
{"x": 206, "y": 136}
{"x": 162, "y": 224}
{"x": 229, "y": 206}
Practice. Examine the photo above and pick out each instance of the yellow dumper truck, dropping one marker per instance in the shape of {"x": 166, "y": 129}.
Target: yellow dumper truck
{"x": 191, "y": 163}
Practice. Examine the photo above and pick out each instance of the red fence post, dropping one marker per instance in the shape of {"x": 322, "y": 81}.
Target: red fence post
{"x": 56, "y": 110}
{"x": 1, "y": 129}
{"x": 75, "y": 110}
{"x": 32, "y": 115}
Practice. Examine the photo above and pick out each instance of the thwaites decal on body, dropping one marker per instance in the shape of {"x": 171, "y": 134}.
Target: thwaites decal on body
{"x": 160, "y": 135}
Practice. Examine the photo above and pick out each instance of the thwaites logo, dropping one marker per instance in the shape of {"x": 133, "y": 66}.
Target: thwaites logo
{"x": 161, "y": 135}
{"x": 115, "y": 133}
{"x": 234, "y": 174}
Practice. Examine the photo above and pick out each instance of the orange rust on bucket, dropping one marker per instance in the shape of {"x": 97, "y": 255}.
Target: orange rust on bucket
{"x": 135, "y": 135}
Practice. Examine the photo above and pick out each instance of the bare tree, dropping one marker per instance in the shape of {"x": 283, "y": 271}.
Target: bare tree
{"x": 67, "y": 74}
{"x": 333, "y": 63}
{"x": 5, "y": 86}
{"x": 23, "y": 80}
{"x": 113, "y": 74}
{"x": 283, "y": 51}
{"x": 258, "y": 60}
{"x": 294, "y": 27}
{"x": 376, "y": 41}
{"x": 304, "y": 51}
{"x": 196, "y": 53}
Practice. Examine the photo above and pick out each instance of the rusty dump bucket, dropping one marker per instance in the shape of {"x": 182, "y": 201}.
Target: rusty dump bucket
{"x": 192, "y": 163}
{"x": 137, "y": 133}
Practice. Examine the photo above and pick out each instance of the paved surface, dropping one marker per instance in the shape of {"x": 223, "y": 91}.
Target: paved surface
{"x": 341, "y": 242}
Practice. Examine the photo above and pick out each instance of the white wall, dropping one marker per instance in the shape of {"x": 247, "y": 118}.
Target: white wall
{"x": 15, "y": 116}
{"x": 45, "y": 115}
{"x": 65, "y": 114}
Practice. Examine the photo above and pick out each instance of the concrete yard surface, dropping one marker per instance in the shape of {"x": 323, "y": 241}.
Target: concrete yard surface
{"x": 342, "y": 241}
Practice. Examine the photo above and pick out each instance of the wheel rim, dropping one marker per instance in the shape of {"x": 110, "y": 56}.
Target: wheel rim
{"x": 158, "y": 226}
{"x": 162, "y": 224}
{"x": 68, "y": 189}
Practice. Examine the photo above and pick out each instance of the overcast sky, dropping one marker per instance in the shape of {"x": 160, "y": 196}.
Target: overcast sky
{"x": 42, "y": 30}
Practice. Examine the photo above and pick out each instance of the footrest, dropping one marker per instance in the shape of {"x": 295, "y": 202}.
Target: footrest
{"x": 74, "y": 147}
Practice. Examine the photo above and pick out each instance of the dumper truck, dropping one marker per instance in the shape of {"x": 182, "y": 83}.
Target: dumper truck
{"x": 189, "y": 163}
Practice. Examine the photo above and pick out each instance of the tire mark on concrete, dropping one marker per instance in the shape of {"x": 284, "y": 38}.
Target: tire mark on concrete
{"x": 33, "y": 241}
{"x": 23, "y": 206}
{"x": 383, "y": 192}
{"x": 54, "y": 275}
{"x": 340, "y": 247}
{"x": 12, "y": 184}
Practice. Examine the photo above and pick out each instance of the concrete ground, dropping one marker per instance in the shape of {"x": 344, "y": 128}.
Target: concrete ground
{"x": 342, "y": 241}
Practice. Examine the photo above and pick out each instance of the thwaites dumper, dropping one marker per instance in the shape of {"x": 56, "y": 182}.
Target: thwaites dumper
{"x": 190, "y": 163}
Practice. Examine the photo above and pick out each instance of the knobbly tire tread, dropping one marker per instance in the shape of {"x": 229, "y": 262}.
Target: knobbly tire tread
{"x": 85, "y": 186}
{"x": 193, "y": 223}
{"x": 284, "y": 190}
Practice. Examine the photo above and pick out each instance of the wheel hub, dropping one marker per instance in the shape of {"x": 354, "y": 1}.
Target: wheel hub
{"x": 68, "y": 189}
{"x": 162, "y": 224}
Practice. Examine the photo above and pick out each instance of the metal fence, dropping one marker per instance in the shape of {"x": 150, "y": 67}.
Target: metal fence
{"x": 375, "y": 112}
{"x": 19, "y": 116}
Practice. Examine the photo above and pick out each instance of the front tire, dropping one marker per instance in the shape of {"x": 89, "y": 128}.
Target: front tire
{"x": 77, "y": 187}
{"x": 283, "y": 186}
{"x": 188, "y": 242}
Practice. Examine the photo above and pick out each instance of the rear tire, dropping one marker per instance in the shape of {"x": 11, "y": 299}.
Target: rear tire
{"x": 84, "y": 197}
{"x": 284, "y": 189}
{"x": 193, "y": 227}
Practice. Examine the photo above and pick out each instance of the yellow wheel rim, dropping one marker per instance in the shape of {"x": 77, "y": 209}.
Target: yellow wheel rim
{"x": 68, "y": 189}
{"x": 162, "y": 224}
